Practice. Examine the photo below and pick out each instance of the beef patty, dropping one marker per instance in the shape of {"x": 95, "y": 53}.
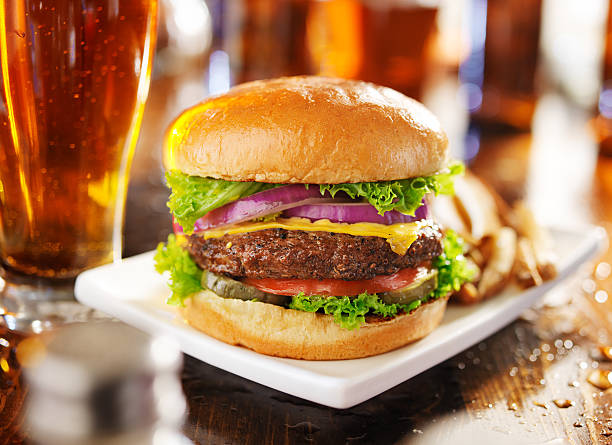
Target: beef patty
{"x": 279, "y": 253}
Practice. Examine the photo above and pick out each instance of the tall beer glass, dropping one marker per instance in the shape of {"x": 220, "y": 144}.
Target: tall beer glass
{"x": 74, "y": 79}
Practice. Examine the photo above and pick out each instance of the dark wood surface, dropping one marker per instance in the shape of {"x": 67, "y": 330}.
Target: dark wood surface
{"x": 499, "y": 391}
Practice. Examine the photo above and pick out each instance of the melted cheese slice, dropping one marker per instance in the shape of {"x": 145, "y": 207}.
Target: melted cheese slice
{"x": 399, "y": 236}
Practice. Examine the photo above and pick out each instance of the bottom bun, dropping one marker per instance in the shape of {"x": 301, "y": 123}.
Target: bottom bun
{"x": 274, "y": 330}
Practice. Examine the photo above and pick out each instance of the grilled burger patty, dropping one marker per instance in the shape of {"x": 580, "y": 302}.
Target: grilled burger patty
{"x": 279, "y": 253}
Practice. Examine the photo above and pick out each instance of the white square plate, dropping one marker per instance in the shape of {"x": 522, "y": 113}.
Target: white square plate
{"x": 133, "y": 292}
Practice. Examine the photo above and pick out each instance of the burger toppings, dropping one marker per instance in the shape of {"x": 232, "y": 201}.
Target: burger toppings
{"x": 228, "y": 288}
{"x": 402, "y": 279}
{"x": 354, "y": 212}
{"x": 297, "y": 254}
{"x": 185, "y": 275}
{"x": 405, "y": 195}
{"x": 186, "y": 279}
{"x": 350, "y": 313}
{"x": 193, "y": 197}
{"x": 346, "y": 250}
{"x": 259, "y": 205}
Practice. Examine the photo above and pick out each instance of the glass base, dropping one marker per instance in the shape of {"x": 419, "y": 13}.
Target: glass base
{"x": 36, "y": 307}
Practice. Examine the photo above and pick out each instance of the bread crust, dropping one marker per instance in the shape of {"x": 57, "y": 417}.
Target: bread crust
{"x": 307, "y": 129}
{"x": 274, "y": 330}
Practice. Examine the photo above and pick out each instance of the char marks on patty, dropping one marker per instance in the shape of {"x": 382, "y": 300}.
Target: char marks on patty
{"x": 279, "y": 253}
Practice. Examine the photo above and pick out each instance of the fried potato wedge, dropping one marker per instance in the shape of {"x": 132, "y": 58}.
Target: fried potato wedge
{"x": 497, "y": 271}
{"x": 504, "y": 241}
{"x": 477, "y": 206}
{"x": 526, "y": 267}
{"x": 539, "y": 238}
{"x": 468, "y": 294}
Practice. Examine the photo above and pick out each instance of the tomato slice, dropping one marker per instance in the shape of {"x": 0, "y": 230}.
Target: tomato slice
{"x": 332, "y": 287}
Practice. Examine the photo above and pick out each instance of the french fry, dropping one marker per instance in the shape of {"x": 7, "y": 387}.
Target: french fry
{"x": 485, "y": 248}
{"x": 497, "y": 271}
{"x": 477, "y": 205}
{"x": 468, "y": 294}
{"x": 505, "y": 242}
{"x": 447, "y": 214}
{"x": 539, "y": 237}
{"x": 477, "y": 257}
{"x": 526, "y": 268}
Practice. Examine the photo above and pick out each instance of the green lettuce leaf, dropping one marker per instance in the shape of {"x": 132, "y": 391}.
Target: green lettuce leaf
{"x": 192, "y": 196}
{"x": 404, "y": 195}
{"x": 185, "y": 275}
{"x": 350, "y": 312}
{"x": 453, "y": 268}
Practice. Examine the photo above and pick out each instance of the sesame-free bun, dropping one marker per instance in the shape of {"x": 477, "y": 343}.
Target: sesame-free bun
{"x": 307, "y": 129}
{"x": 274, "y": 330}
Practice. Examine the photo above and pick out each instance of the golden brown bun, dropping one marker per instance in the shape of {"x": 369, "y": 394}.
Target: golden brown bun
{"x": 281, "y": 332}
{"x": 307, "y": 129}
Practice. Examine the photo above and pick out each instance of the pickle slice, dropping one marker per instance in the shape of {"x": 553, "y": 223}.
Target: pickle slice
{"x": 228, "y": 288}
{"x": 417, "y": 290}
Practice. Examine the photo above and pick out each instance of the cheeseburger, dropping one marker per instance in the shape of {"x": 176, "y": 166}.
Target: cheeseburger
{"x": 301, "y": 218}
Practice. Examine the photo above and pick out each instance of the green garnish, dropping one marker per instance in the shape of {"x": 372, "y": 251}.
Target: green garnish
{"x": 350, "y": 312}
{"x": 193, "y": 196}
{"x": 185, "y": 275}
{"x": 404, "y": 195}
{"x": 453, "y": 269}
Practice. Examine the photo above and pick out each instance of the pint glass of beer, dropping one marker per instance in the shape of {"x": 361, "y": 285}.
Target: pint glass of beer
{"x": 381, "y": 41}
{"x": 74, "y": 79}
{"x": 500, "y": 74}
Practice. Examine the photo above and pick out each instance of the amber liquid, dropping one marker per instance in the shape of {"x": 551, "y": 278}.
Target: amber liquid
{"x": 12, "y": 387}
{"x": 507, "y": 73}
{"x": 265, "y": 38}
{"x": 603, "y": 122}
{"x": 384, "y": 41}
{"x": 75, "y": 75}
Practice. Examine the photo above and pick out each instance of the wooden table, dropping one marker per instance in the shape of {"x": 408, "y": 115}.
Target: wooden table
{"x": 499, "y": 391}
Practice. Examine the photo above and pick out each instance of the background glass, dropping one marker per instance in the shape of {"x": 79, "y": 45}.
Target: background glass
{"x": 75, "y": 76}
{"x": 500, "y": 74}
{"x": 381, "y": 41}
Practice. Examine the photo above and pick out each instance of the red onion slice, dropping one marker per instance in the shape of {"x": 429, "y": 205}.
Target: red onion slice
{"x": 354, "y": 213}
{"x": 298, "y": 201}
{"x": 260, "y": 204}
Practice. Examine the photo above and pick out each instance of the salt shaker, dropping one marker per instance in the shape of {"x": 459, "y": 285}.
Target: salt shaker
{"x": 105, "y": 383}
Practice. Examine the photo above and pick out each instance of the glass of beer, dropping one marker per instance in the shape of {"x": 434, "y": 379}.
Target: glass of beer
{"x": 499, "y": 75}
{"x": 74, "y": 80}
{"x": 603, "y": 121}
{"x": 381, "y": 41}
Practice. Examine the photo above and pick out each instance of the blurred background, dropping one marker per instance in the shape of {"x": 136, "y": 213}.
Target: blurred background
{"x": 523, "y": 87}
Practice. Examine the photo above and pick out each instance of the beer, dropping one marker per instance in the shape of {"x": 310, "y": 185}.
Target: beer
{"x": 75, "y": 75}
{"x": 500, "y": 74}
{"x": 603, "y": 122}
{"x": 380, "y": 41}
{"x": 264, "y": 38}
